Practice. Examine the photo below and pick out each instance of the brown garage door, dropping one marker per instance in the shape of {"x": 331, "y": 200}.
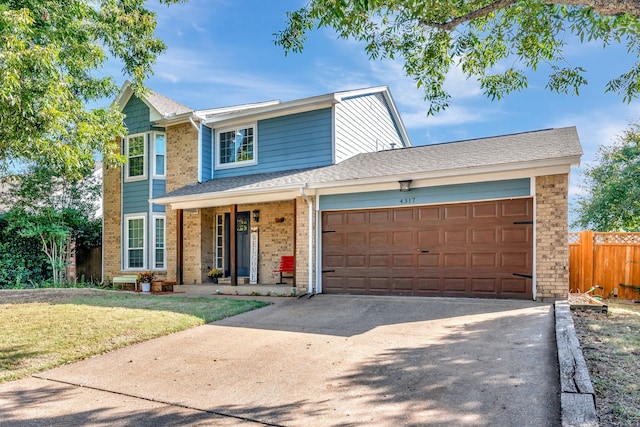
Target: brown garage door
{"x": 467, "y": 250}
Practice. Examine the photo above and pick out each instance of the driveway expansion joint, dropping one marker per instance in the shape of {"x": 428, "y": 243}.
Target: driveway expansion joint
{"x": 177, "y": 405}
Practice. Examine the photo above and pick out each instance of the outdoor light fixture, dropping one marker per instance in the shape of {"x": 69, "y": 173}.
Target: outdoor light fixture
{"x": 256, "y": 215}
{"x": 405, "y": 185}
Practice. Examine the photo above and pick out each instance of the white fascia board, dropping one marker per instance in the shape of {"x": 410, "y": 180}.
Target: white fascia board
{"x": 397, "y": 118}
{"x": 221, "y": 199}
{"x": 290, "y": 107}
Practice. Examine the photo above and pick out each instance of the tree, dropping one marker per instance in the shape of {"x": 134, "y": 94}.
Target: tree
{"x": 431, "y": 36}
{"x": 50, "y": 54}
{"x": 613, "y": 184}
{"x": 53, "y": 211}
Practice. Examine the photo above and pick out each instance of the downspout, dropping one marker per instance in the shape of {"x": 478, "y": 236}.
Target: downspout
{"x": 310, "y": 204}
{"x": 194, "y": 123}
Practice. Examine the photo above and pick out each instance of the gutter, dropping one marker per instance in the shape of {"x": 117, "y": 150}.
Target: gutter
{"x": 310, "y": 203}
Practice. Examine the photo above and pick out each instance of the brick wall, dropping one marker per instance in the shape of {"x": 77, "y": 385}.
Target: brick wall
{"x": 182, "y": 169}
{"x": 302, "y": 244}
{"x": 112, "y": 208}
{"x": 552, "y": 253}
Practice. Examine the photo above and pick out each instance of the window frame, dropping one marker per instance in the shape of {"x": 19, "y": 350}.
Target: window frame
{"x": 127, "y": 172}
{"x": 164, "y": 243}
{"x": 218, "y": 244}
{"x": 243, "y": 163}
{"x": 127, "y": 259}
{"x": 154, "y": 136}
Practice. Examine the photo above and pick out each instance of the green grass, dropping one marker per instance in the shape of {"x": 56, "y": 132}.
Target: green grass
{"x": 41, "y": 335}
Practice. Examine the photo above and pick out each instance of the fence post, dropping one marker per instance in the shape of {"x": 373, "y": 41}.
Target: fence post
{"x": 586, "y": 254}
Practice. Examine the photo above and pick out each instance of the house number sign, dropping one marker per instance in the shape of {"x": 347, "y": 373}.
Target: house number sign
{"x": 407, "y": 200}
{"x": 253, "y": 262}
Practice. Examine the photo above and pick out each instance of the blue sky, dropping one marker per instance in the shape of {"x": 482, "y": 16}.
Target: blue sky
{"x": 221, "y": 52}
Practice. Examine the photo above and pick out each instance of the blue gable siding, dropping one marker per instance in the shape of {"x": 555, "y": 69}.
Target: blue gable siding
{"x": 136, "y": 116}
{"x": 295, "y": 141}
{"x": 429, "y": 195}
{"x": 135, "y": 197}
{"x": 206, "y": 148}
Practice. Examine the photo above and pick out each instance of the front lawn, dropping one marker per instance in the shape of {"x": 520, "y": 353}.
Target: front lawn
{"x": 41, "y": 333}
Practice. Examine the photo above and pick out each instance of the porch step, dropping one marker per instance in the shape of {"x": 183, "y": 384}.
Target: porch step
{"x": 227, "y": 280}
{"x": 207, "y": 289}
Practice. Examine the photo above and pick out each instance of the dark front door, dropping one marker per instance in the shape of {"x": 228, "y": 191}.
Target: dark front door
{"x": 243, "y": 243}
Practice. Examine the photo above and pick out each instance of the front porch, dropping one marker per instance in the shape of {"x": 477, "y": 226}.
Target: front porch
{"x": 208, "y": 289}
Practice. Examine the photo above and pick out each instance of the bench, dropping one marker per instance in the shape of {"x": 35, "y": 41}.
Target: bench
{"x": 124, "y": 279}
{"x": 287, "y": 265}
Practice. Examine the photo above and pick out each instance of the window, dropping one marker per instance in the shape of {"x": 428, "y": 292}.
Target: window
{"x": 135, "y": 243}
{"x": 135, "y": 149}
{"x": 236, "y": 147}
{"x": 219, "y": 240}
{"x": 160, "y": 147}
{"x": 158, "y": 243}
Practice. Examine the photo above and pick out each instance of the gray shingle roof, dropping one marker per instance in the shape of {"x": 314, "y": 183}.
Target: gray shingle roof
{"x": 514, "y": 149}
{"x": 164, "y": 105}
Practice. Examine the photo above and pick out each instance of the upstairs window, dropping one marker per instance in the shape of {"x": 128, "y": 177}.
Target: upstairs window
{"x": 236, "y": 147}
{"x": 135, "y": 149}
{"x": 159, "y": 155}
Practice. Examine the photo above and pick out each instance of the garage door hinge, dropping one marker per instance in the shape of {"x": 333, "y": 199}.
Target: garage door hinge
{"x": 523, "y": 222}
{"x": 527, "y": 276}
{"x": 328, "y": 231}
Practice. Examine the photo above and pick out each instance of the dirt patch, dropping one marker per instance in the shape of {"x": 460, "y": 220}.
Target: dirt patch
{"x": 611, "y": 347}
{"x": 11, "y": 296}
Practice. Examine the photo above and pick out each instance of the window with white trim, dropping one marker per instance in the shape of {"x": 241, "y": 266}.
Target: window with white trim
{"x": 159, "y": 252}
{"x": 134, "y": 242}
{"x": 159, "y": 144}
{"x": 136, "y": 150}
{"x": 236, "y": 147}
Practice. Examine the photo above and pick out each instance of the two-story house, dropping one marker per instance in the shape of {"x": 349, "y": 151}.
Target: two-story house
{"x": 334, "y": 181}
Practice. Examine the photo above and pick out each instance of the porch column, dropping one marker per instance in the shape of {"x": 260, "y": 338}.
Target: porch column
{"x": 233, "y": 225}
{"x": 179, "y": 246}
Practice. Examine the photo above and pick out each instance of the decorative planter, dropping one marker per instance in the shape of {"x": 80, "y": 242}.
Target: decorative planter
{"x": 146, "y": 286}
{"x": 213, "y": 279}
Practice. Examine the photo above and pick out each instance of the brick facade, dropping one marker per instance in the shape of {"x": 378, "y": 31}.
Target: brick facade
{"x": 112, "y": 221}
{"x": 552, "y": 252}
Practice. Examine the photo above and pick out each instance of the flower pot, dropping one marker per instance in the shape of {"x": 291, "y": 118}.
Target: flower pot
{"x": 146, "y": 286}
{"x": 213, "y": 279}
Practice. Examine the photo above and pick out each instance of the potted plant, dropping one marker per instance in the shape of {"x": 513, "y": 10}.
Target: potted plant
{"x": 146, "y": 277}
{"x": 214, "y": 273}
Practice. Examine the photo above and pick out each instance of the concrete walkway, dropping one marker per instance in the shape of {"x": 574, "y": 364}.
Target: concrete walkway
{"x": 326, "y": 361}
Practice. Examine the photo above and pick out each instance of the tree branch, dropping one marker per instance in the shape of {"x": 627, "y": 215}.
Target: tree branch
{"x": 483, "y": 11}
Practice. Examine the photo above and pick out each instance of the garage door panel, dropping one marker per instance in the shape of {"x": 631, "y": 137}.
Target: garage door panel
{"x": 403, "y": 238}
{"x": 380, "y": 238}
{"x": 513, "y": 235}
{"x": 380, "y": 260}
{"x": 471, "y": 249}
{"x": 356, "y": 218}
{"x": 517, "y": 208}
{"x": 485, "y": 210}
{"x": 484, "y": 285}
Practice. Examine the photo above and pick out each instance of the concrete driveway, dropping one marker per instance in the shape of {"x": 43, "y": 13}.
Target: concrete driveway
{"x": 326, "y": 361}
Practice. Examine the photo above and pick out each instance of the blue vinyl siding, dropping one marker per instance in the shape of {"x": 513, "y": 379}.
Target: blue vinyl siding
{"x": 136, "y": 116}
{"x": 428, "y": 195}
{"x": 159, "y": 188}
{"x": 206, "y": 148}
{"x": 135, "y": 197}
{"x": 290, "y": 142}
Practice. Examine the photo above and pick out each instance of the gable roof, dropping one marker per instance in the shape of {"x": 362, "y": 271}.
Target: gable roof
{"x": 160, "y": 106}
{"x": 550, "y": 148}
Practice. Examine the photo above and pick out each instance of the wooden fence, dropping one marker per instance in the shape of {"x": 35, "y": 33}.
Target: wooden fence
{"x": 609, "y": 260}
